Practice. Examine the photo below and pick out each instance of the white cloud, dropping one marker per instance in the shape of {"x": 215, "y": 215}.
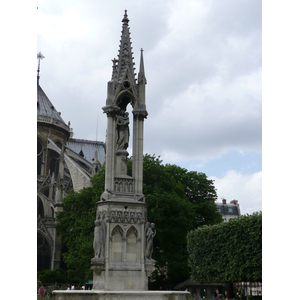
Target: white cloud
{"x": 206, "y": 120}
{"x": 246, "y": 188}
{"x": 202, "y": 63}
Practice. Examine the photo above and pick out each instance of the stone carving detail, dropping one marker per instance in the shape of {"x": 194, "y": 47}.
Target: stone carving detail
{"x": 123, "y": 230}
{"x": 149, "y": 234}
{"x": 123, "y": 185}
{"x": 99, "y": 235}
{"x": 122, "y": 130}
{"x": 124, "y": 216}
{"x": 118, "y": 233}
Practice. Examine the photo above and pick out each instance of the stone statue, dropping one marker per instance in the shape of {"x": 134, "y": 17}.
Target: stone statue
{"x": 99, "y": 236}
{"x": 149, "y": 234}
{"x": 123, "y": 130}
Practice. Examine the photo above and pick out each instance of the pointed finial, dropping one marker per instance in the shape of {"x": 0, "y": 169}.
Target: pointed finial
{"x": 39, "y": 57}
{"x": 114, "y": 68}
{"x": 142, "y": 62}
{"x": 125, "y": 19}
{"x": 141, "y": 74}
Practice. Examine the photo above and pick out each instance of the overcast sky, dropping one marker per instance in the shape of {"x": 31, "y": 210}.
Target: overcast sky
{"x": 203, "y": 64}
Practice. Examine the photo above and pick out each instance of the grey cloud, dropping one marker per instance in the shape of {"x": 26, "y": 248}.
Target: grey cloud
{"x": 222, "y": 46}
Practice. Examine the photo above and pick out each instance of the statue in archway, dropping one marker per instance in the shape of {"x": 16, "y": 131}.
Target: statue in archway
{"x": 122, "y": 130}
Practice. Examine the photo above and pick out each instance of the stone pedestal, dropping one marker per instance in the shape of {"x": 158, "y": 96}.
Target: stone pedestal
{"x": 149, "y": 266}
{"x": 98, "y": 266}
{"x": 121, "y": 162}
{"x": 124, "y": 266}
{"x": 120, "y": 295}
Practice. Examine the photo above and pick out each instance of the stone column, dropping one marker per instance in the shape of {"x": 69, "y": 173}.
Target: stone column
{"x": 134, "y": 152}
{"x": 137, "y": 151}
{"x": 109, "y": 158}
{"x": 110, "y": 146}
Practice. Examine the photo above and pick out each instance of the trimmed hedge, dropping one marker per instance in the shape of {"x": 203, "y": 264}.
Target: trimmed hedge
{"x": 227, "y": 252}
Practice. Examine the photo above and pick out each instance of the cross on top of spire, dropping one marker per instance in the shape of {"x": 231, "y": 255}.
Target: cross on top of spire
{"x": 39, "y": 57}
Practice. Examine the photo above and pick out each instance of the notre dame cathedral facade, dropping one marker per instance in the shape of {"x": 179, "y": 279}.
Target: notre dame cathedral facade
{"x": 63, "y": 163}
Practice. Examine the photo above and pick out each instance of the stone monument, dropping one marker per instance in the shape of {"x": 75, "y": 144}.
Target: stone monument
{"x": 123, "y": 236}
{"x": 124, "y": 261}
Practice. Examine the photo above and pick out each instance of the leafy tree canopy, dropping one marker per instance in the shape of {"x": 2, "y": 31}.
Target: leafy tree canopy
{"x": 47, "y": 277}
{"x": 227, "y": 252}
{"x": 76, "y": 227}
{"x": 178, "y": 201}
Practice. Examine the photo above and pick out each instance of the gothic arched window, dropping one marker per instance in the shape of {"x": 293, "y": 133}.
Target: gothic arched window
{"x": 40, "y": 208}
{"x": 54, "y": 160}
{"x": 39, "y": 157}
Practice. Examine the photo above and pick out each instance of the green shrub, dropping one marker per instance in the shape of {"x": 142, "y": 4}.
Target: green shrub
{"x": 48, "y": 277}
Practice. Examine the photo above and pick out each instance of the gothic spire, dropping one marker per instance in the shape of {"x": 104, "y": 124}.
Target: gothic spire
{"x": 141, "y": 75}
{"x": 125, "y": 56}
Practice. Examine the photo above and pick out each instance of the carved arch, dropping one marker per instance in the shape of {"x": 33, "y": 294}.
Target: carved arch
{"x": 40, "y": 208}
{"x": 132, "y": 244}
{"x": 47, "y": 238}
{"x": 42, "y": 141}
{"x": 53, "y": 158}
{"x": 116, "y": 228}
{"x": 136, "y": 230}
{"x": 124, "y": 98}
{"x": 47, "y": 203}
{"x": 117, "y": 234}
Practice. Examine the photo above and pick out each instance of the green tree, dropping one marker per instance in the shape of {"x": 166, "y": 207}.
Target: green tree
{"x": 228, "y": 252}
{"x": 76, "y": 227}
{"x": 172, "y": 214}
{"x": 178, "y": 201}
{"x": 200, "y": 191}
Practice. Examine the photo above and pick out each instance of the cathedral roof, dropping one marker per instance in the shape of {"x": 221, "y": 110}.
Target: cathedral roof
{"x": 87, "y": 148}
{"x": 46, "y": 111}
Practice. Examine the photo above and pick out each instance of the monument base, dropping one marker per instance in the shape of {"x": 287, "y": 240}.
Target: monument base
{"x": 98, "y": 266}
{"x": 117, "y": 295}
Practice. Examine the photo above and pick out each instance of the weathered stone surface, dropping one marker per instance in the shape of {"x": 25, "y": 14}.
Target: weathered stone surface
{"x": 98, "y": 267}
{"x": 122, "y": 206}
{"x": 119, "y": 295}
